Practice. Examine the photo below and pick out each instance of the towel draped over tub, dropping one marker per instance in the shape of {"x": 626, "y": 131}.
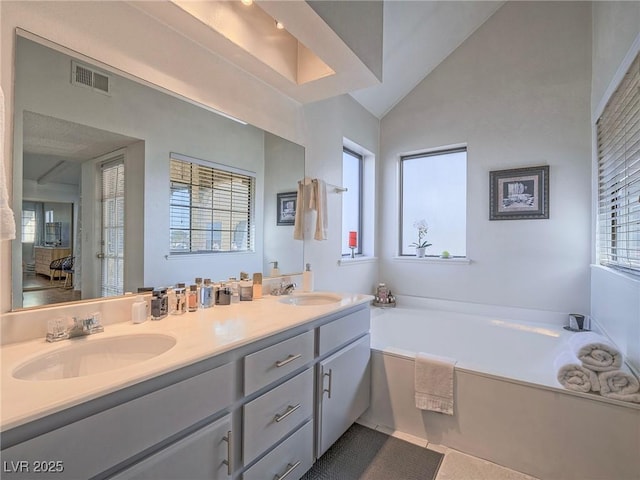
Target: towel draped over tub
{"x": 433, "y": 383}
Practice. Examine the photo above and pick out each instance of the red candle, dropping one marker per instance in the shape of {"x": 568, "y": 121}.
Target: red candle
{"x": 353, "y": 239}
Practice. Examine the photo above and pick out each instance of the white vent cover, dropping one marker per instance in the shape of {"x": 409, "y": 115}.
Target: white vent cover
{"x": 85, "y": 76}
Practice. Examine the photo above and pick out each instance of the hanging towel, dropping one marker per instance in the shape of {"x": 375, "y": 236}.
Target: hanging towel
{"x": 298, "y": 223}
{"x": 619, "y": 385}
{"x": 318, "y": 202}
{"x": 573, "y": 376}
{"x": 7, "y": 221}
{"x": 595, "y": 352}
{"x": 434, "y": 383}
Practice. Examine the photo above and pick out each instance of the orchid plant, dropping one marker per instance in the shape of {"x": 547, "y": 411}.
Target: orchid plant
{"x": 422, "y": 227}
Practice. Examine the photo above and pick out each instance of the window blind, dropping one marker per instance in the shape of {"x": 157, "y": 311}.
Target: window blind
{"x": 618, "y": 136}
{"x": 113, "y": 198}
{"x": 211, "y": 208}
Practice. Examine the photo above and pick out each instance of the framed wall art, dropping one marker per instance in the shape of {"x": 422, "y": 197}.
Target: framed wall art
{"x": 286, "y": 208}
{"x": 520, "y": 193}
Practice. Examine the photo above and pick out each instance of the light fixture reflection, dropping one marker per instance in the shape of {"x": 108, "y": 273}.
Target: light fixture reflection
{"x": 279, "y": 25}
{"x": 248, "y": 3}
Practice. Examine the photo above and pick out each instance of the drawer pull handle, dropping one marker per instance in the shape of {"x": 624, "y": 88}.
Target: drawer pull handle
{"x": 289, "y": 359}
{"x": 290, "y": 468}
{"x": 328, "y": 390}
{"x": 290, "y": 410}
{"x": 229, "y": 461}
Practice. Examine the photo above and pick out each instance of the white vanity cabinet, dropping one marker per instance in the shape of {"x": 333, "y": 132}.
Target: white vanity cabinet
{"x": 264, "y": 410}
{"x": 204, "y": 454}
{"x": 344, "y": 379}
{"x": 99, "y": 442}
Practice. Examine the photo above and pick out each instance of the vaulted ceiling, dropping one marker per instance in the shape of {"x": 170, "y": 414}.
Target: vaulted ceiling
{"x": 376, "y": 51}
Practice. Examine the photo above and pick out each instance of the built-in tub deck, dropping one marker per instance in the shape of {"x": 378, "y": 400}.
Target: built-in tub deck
{"x": 509, "y": 407}
{"x": 519, "y": 351}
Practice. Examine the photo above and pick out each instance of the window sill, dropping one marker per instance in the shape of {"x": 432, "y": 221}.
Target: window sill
{"x": 439, "y": 260}
{"x": 347, "y": 261}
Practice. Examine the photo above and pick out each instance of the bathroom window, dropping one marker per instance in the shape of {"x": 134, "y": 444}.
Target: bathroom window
{"x": 28, "y": 226}
{"x": 433, "y": 188}
{"x": 618, "y": 135}
{"x": 211, "y": 207}
{"x": 352, "y": 180}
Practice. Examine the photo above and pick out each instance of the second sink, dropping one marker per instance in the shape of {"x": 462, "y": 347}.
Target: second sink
{"x": 302, "y": 299}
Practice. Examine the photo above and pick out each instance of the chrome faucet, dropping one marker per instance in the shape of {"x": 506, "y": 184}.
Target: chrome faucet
{"x": 285, "y": 288}
{"x": 61, "y": 329}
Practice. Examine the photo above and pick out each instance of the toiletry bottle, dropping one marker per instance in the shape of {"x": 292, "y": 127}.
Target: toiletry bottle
{"x": 257, "y": 285}
{"x": 246, "y": 290}
{"x": 139, "y": 310}
{"x": 206, "y": 294}
{"x": 275, "y": 271}
{"x": 192, "y": 298}
{"x": 171, "y": 301}
{"x": 181, "y": 299}
{"x": 235, "y": 294}
{"x": 159, "y": 304}
{"x": 198, "y": 290}
{"x": 224, "y": 295}
{"x": 307, "y": 279}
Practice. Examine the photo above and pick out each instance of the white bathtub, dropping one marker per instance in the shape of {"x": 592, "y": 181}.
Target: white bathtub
{"x": 509, "y": 407}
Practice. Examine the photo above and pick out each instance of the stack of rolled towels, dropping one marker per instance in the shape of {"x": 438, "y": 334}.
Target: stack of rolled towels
{"x": 591, "y": 363}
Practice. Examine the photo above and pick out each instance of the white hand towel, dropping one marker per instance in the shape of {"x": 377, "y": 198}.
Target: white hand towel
{"x": 298, "y": 223}
{"x": 318, "y": 202}
{"x": 434, "y": 383}
{"x": 619, "y": 385}
{"x": 572, "y": 375}
{"x": 7, "y": 220}
{"x": 595, "y": 352}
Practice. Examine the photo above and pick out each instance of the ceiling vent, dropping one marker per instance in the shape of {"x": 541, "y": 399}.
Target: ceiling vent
{"x": 84, "y": 76}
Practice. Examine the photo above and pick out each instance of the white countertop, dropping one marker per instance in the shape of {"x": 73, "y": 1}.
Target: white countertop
{"x": 199, "y": 335}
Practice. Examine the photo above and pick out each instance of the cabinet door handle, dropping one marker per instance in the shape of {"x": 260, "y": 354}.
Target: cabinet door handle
{"x": 289, "y": 359}
{"x": 290, "y": 410}
{"x": 328, "y": 390}
{"x": 290, "y": 468}
{"x": 229, "y": 461}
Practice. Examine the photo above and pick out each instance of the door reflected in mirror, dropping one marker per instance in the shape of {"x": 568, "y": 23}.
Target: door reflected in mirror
{"x": 104, "y": 154}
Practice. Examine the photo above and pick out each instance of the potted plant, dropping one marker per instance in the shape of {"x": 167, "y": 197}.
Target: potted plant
{"x": 421, "y": 245}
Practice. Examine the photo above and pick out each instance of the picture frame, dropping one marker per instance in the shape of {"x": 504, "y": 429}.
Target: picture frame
{"x": 287, "y": 203}
{"x": 519, "y": 193}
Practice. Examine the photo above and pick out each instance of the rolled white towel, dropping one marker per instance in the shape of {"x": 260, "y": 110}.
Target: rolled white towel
{"x": 572, "y": 375}
{"x": 595, "y": 352}
{"x": 619, "y": 385}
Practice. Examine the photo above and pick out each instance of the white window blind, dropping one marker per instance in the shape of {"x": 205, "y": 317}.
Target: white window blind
{"x": 112, "y": 227}
{"x": 211, "y": 207}
{"x": 28, "y": 226}
{"x": 618, "y": 131}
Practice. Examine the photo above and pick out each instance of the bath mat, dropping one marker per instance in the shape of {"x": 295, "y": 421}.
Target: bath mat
{"x": 366, "y": 454}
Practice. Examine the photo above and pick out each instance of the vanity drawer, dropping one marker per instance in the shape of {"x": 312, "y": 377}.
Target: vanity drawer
{"x": 270, "y": 364}
{"x": 92, "y": 445}
{"x": 295, "y": 454}
{"x": 343, "y": 330}
{"x": 273, "y": 415}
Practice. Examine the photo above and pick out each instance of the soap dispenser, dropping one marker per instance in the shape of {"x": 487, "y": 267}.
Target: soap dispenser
{"x": 275, "y": 271}
{"x": 307, "y": 279}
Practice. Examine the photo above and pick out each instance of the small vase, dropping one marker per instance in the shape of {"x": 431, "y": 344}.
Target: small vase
{"x": 420, "y": 251}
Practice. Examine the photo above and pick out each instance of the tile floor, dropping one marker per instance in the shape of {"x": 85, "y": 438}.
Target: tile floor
{"x": 457, "y": 465}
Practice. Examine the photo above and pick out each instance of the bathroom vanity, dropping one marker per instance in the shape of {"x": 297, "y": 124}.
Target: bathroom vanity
{"x": 253, "y": 391}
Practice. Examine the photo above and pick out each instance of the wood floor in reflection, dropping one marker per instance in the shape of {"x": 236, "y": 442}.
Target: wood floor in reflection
{"x": 38, "y": 290}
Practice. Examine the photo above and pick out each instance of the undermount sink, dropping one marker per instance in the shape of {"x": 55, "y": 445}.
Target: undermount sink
{"x": 89, "y": 356}
{"x": 303, "y": 299}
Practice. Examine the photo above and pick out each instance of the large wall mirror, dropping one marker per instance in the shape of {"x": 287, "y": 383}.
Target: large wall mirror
{"x": 92, "y": 149}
